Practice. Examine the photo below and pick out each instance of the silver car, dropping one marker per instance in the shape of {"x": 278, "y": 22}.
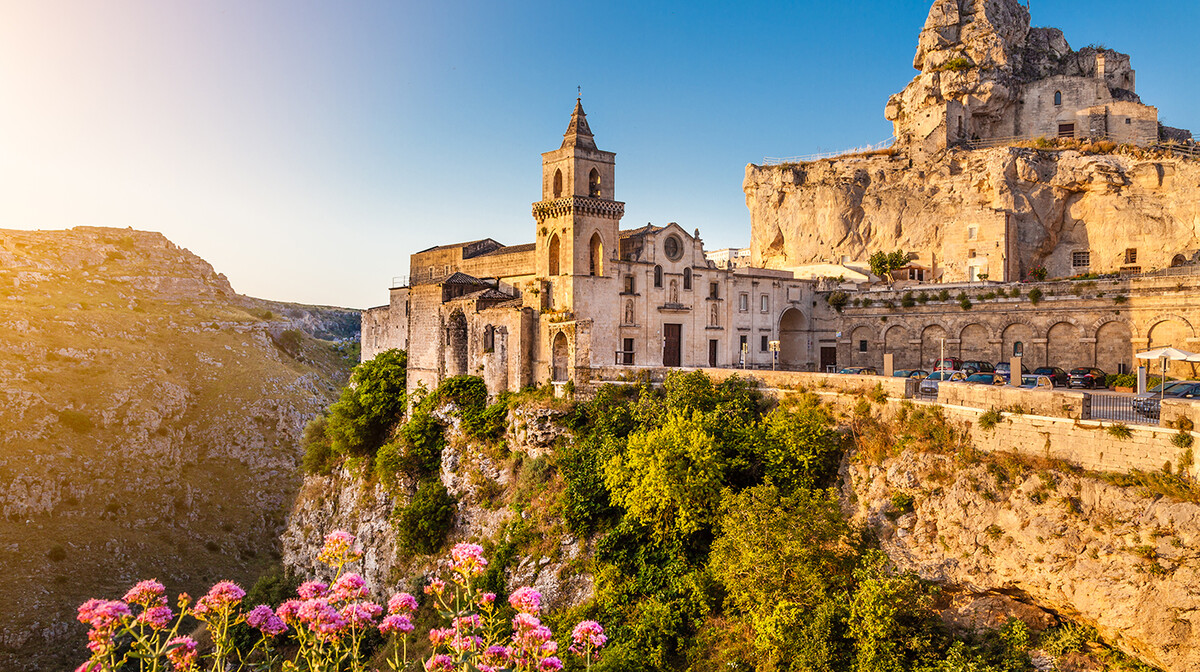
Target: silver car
{"x": 930, "y": 384}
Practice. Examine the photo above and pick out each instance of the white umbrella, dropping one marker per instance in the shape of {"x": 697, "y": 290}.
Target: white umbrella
{"x": 1164, "y": 354}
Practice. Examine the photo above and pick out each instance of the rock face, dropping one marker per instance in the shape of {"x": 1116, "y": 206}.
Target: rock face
{"x": 1004, "y": 210}
{"x": 1087, "y": 550}
{"x": 483, "y": 483}
{"x": 149, "y": 427}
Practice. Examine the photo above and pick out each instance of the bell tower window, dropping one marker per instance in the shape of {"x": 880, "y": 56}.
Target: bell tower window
{"x": 558, "y": 183}
{"x": 594, "y": 184}
{"x": 552, "y": 251}
{"x": 596, "y": 255}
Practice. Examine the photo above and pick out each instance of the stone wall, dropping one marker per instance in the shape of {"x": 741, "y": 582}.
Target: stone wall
{"x": 1052, "y": 403}
{"x": 897, "y": 388}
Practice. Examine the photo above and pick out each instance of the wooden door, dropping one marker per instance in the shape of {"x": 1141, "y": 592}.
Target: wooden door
{"x": 712, "y": 353}
{"x": 828, "y": 359}
{"x": 671, "y": 340}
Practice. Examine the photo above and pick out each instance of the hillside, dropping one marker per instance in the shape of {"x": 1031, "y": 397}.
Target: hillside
{"x": 149, "y": 422}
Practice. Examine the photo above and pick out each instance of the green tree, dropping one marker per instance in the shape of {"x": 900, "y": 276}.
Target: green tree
{"x": 370, "y": 405}
{"x": 421, "y": 527}
{"x": 669, "y": 478}
{"x": 799, "y": 448}
{"x": 891, "y": 619}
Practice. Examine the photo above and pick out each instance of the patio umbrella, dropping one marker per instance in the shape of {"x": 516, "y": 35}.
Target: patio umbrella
{"x": 1168, "y": 353}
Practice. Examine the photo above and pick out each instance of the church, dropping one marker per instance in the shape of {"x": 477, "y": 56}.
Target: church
{"x": 587, "y": 294}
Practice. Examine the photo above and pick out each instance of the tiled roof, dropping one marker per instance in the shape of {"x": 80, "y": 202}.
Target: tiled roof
{"x": 511, "y": 249}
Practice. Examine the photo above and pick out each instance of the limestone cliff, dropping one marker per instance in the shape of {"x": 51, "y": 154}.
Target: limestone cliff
{"x": 1016, "y": 208}
{"x": 149, "y": 421}
{"x": 1108, "y": 556}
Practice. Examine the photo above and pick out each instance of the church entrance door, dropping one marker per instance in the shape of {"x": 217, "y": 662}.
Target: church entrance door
{"x": 671, "y": 339}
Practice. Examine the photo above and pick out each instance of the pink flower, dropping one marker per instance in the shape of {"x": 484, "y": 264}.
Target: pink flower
{"x": 524, "y": 622}
{"x": 551, "y": 664}
{"x": 349, "y": 587}
{"x": 396, "y": 623}
{"x": 221, "y": 598}
{"x": 319, "y": 616}
{"x": 484, "y": 668}
{"x": 439, "y": 662}
{"x": 183, "y": 655}
{"x": 89, "y": 666}
{"x": 526, "y": 600}
{"x": 497, "y": 655}
{"x": 105, "y": 618}
{"x": 439, "y": 636}
{"x": 463, "y": 643}
{"x": 361, "y": 614}
{"x": 289, "y": 611}
{"x": 312, "y": 589}
{"x": 148, "y": 593}
{"x": 486, "y": 599}
{"x": 435, "y": 587}
{"x": 402, "y": 602}
{"x": 467, "y": 622}
{"x": 587, "y": 635}
{"x": 261, "y": 618}
{"x": 156, "y": 617}
{"x": 468, "y": 559}
{"x": 339, "y": 549}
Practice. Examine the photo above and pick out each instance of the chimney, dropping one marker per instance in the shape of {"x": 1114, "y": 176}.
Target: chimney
{"x": 1100, "y": 65}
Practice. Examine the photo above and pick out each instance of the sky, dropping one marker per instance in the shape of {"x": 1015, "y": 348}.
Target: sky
{"x": 307, "y": 148}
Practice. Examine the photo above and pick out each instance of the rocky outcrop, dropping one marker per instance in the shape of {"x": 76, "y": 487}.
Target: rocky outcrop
{"x": 149, "y": 427}
{"x": 1111, "y": 557}
{"x": 1040, "y": 206}
{"x": 485, "y": 484}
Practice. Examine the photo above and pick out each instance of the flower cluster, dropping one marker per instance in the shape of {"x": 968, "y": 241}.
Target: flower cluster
{"x": 329, "y": 622}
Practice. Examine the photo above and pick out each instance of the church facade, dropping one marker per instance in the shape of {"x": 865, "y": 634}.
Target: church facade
{"x": 588, "y": 294}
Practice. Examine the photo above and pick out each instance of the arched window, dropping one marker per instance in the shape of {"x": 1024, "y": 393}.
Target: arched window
{"x": 687, "y": 279}
{"x": 1058, "y": 97}
{"x": 594, "y": 184}
{"x": 596, "y": 255}
{"x": 658, "y": 276}
{"x": 553, "y": 255}
{"x": 557, "y": 183}
{"x": 1018, "y": 349}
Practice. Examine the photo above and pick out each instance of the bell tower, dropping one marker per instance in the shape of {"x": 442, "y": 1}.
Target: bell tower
{"x": 578, "y": 217}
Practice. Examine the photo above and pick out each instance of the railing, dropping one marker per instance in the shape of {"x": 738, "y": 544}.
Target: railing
{"x": 1147, "y": 141}
{"x": 1123, "y": 408}
{"x": 877, "y": 147}
{"x": 399, "y": 281}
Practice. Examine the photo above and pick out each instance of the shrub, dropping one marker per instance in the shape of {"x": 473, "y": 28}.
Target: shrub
{"x": 290, "y": 341}
{"x": 57, "y": 553}
{"x": 837, "y": 300}
{"x": 370, "y": 405}
{"x": 1182, "y": 439}
{"x": 421, "y": 527}
{"x": 1035, "y": 295}
{"x": 1120, "y": 298}
{"x": 1015, "y": 292}
{"x": 989, "y": 419}
{"x": 1119, "y": 431}
{"x": 902, "y": 502}
{"x": 923, "y": 297}
{"x": 318, "y": 454}
{"x": 1038, "y": 273}
{"x": 956, "y": 64}
{"x": 944, "y": 295}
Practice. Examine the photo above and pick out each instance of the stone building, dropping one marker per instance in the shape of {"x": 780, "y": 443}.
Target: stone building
{"x": 987, "y": 77}
{"x": 586, "y": 294}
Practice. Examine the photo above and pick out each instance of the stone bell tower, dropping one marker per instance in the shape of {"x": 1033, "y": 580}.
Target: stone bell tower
{"x": 577, "y": 218}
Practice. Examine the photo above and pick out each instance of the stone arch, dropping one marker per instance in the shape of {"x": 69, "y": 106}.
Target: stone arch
{"x": 594, "y": 183}
{"x": 552, "y": 253}
{"x": 1170, "y": 317}
{"x": 973, "y": 342}
{"x": 1114, "y": 346}
{"x": 1171, "y": 331}
{"x": 1096, "y": 325}
{"x": 560, "y": 356}
{"x": 896, "y": 341}
{"x": 558, "y": 183}
{"x": 456, "y": 344}
{"x": 596, "y": 255}
{"x": 1178, "y": 260}
{"x": 1018, "y": 337}
{"x": 793, "y": 345}
{"x": 1064, "y": 347}
{"x": 931, "y": 344}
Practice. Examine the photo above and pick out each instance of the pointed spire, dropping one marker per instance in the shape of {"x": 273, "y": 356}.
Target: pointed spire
{"x": 578, "y": 134}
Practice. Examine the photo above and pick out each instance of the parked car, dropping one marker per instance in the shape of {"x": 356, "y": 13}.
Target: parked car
{"x": 1002, "y": 368}
{"x": 1059, "y": 377}
{"x": 947, "y": 364}
{"x": 987, "y": 379}
{"x": 860, "y": 371}
{"x": 1036, "y": 382}
{"x": 1147, "y": 403}
{"x": 930, "y": 384}
{"x": 976, "y": 366}
{"x": 910, "y": 373}
{"x": 1087, "y": 376}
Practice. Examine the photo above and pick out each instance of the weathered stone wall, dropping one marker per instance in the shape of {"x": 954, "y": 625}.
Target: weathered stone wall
{"x": 896, "y": 388}
{"x": 1052, "y": 403}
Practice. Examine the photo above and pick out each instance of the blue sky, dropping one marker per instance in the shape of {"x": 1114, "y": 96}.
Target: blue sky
{"x": 307, "y": 148}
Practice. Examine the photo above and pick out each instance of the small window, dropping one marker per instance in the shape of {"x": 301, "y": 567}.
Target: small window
{"x": 764, "y": 343}
{"x": 1081, "y": 259}
{"x": 489, "y": 338}
{"x": 764, "y": 303}
{"x": 712, "y": 290}
{"x": 743, "y": 302}
{"x": 557, "y": 183}
{"x": 594, "y": 184}
{"x": 862, "y": 346}
{"x": 1058, "y": 97}
{"x": 1018, "y": 349}
{"x": 1128, "y": 121}
{"x": 629, "y": 286}
{"x": 627, "y": 352}
{"x": 687, "y": 279}
{"x": 972, "y": 232}
{"x": 744, "y": 344}
{"x": 658, "y": 276}
{"x": 1131, "y": 255}
{"x": 970, "y": 254}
